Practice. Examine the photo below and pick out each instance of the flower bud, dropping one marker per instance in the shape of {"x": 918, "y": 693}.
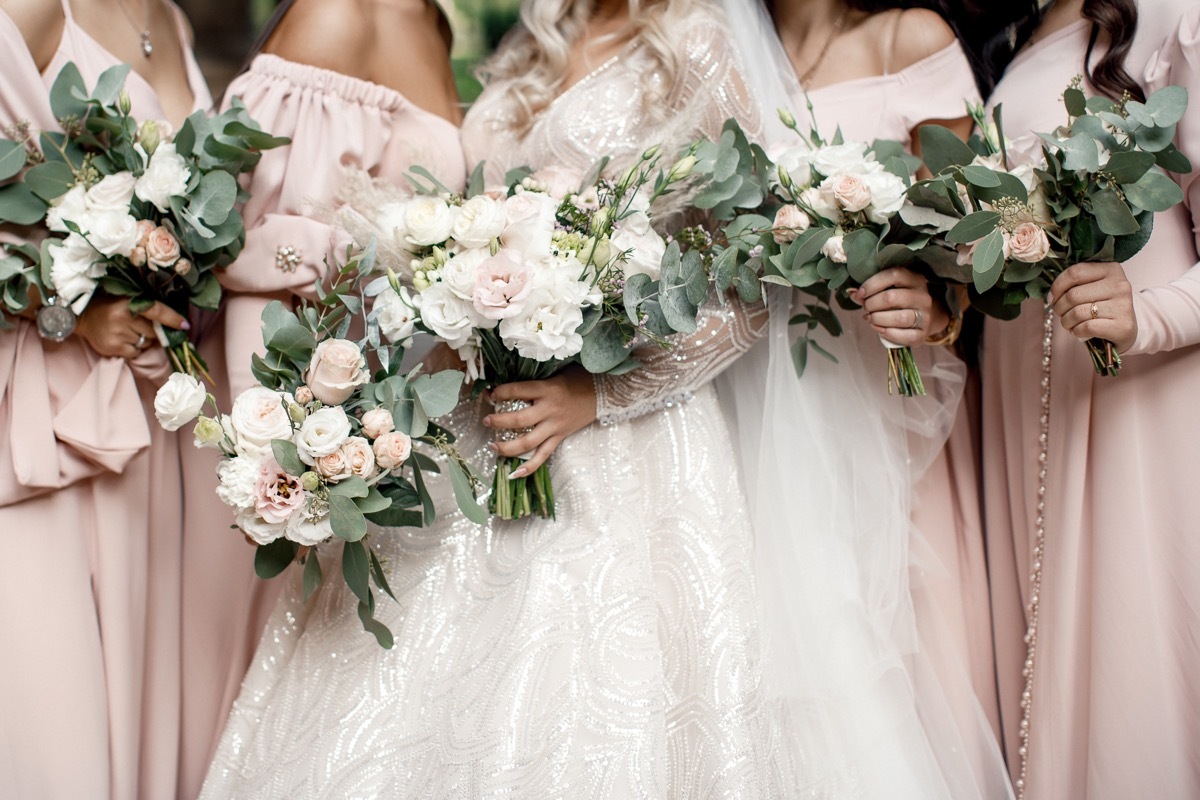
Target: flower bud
{"x": 393, "y": 280}
{"x": 627, "y": 178}
{"x": 297, "y": 413}
{"x": 421, "y": 281}
{"x": 304, "y": 395}
{"x": 310, "y": 481}
{"x": 124, "y": 103}
{"x": 601, "y": 221}
{"x": 787, "y": 119}
{"x": 785, "y": 178}
{"x": 150, "y": 136}
{"x": 183, "y": 267}
{"x": 208, "y": 433}
{"x": 683, "y": 167}
{"x": 137, "y": 257}
{"x": 651, "y": 153}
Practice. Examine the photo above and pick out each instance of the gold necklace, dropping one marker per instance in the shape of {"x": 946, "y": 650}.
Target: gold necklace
{"x": 143, "y": 31}
{"x": 838, "y": 24}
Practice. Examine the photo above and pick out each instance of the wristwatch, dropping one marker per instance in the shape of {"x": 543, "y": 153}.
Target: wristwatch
{"x": 55, "y": 320}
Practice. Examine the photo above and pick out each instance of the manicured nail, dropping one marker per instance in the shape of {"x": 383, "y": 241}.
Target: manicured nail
{"x": 519, "y": 472}
{"x": 492, "y": 446}
{"x": 187, "y": 326}
{"x": 487, "y": 422}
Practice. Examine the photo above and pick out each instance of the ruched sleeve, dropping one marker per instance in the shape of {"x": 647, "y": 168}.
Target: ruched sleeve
{"x": 1168, "y": 314}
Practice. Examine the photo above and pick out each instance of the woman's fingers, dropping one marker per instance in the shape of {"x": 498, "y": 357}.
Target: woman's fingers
{"x": 1077, "y": 275}
{"x": 899, "y": 318}
{"x": 524, "y": 443}
{"x": 539, "y": 457}
{"x": 886, "y": 279}
{"x": 515, "y": 420}
{"x": 1081, "y": 296}
{"x": 906, "y": 336}
{"x": 166, "y": 316}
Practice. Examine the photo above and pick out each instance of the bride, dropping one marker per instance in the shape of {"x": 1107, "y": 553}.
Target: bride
{"x": 616, "y": 652}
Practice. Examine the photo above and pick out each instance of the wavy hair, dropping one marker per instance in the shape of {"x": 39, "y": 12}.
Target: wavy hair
{"x": 1117, "y": 20}
{"x": 534, "y": 57}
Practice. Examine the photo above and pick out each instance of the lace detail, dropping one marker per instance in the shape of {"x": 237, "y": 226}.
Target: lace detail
{"x": 667, "y": 377}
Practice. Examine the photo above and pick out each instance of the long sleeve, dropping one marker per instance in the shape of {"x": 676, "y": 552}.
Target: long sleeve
{"x": 1168, "y": 314}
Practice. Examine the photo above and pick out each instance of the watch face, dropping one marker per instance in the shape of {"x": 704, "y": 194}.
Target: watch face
{"x": 55, "y": 322}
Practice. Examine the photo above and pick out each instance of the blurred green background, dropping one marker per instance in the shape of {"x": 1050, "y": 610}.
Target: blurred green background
{"x": 226, "y": 28}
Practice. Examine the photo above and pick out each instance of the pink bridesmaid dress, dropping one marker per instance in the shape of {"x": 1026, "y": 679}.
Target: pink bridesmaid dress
{"x": 90, "y": 519}
{"x": 948, "y": 572}
{"x": 1115, "y": 695}
{"x": 334, "y": 121}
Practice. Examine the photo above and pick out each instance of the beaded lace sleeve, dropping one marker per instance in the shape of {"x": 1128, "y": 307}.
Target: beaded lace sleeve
{"x": 712, "y": 93}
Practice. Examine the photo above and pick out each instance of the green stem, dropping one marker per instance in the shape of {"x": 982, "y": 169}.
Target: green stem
{"x": 903, "y": 373}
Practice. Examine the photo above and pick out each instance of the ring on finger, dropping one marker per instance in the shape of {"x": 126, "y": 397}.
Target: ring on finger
{"x": 1095, "y": 311}
{"x": 507, "y": 407}
{"x": 918, "y": 317}
{"x": 142, "y": 342}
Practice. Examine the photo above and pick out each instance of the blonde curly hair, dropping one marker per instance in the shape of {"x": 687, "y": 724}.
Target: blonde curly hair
{"x": 534, "y": 57}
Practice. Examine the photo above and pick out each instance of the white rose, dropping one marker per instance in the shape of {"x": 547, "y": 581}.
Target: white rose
{"x": 834, "y": 249}
{"x": 428, "y": 221}
{"x": 821, "y": 202}
{"x": 70, "y": 206}
{"x": 308, "y": 530}
{"x": 237, "y": 477}
{"x": 166, "y": 176}
{"x": 888, "y": 193}
{"x": 322, "y": 433}
{"x": 546, "y": 331}
{"x": 645, "y": 251}
{"x": 837, "y": 159}
{"x": 260, "y": 415}
{"x": 480, "y": 220}
{"x": 797, "y": 162}
{"x": 113, "y": 193}
{"x": 257, "y": 528}
{"x": 449, "y": 316}
{"x": 391, "y": 222}
{"x": 530, "y": 224}
{"x": 1038, "y": 208}
{"x": 396, "y": 316}
{"x": 74, "y": 270}
{"x": 179, "y": 401}
{"x": 113, "y": 233}
{"x": 459, "y": 271}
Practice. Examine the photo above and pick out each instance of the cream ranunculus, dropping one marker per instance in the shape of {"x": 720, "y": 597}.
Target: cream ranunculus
{"x": 428, "y": 221}
{"x": 377, "y": 422}
{"x": 392, "y": 450}
{"x": 479, "y": 221}
{"x": 113, "y": 233}
{"x": 359, "y": 457}
{"x": 1029, "y": 243}
{"x": 797, "y": 162}
{"x": 391, "y": 221}
{"x": 789, "y": 223}
{"x": 336, "y": 370}
{"x": 834, "y": 249}
{"x": 258, "y": 529}
{"x": 166, "y": 176}
{"x": 260, "y": 415}
{"x": 323, "y": 432}
{"x": 70, "y": 206}
{"x": 179, "y": 401}
{"x": 113, "y": 193}
{"x": 307, "y": 528}
{"x": 461, "y": 269}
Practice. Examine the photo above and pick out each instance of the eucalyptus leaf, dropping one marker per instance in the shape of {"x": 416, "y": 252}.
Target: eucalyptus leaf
{"x": 1113, "y": 214}
{"x": 312, "y": 574}
{"x": 464, "y": 495}
{"x": 603, "y": 349}
{"x": 65, "y": 93}
{"x": 356, "y": 569}
{"x": 1128, "y": 166}
{"x": 373, "y": 503}
{"x": 861, "y": 246}
{"x": 214, "y": 198}
{"x": 50, "y": 180}
{"x": 288, "y": 457}
{"x": 347, "y": 521}
{"x": 988, "y": 262}
{"x": 941, "y": 148}
{"x": 981, "y": 176}
{"x": 12, "y": 158}
{"x": 109, "y": 84}
{"x": 272, "y": 559}
{"x": 353, "y": 487}
{"x": 1154, "y": 191}
{"x": 20, "y": 206}
{"x": 973, "y": 227}
{"x": 438, "y": 393}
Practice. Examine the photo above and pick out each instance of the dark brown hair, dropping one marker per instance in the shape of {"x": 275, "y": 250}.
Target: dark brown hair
{"x": 1117, "y": 19}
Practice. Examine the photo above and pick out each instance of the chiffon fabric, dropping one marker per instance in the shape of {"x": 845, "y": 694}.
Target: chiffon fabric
{"x": 336, "y": 122}
{"x": 1116, "y": 704}
{"x": 90, "y": 516}
{"x": 608, "y": 653}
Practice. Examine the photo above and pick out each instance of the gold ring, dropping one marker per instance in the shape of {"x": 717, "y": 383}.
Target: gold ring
{"x": 1095, "y": 311}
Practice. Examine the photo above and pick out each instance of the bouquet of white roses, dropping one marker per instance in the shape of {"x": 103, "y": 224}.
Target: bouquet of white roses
{"x": 131, "y": 209}
{"x": 820, "y": 219}
{"x": 1085, "y": 192}
{"x": 325, "y": 445}
{"x": 550, "y": 270}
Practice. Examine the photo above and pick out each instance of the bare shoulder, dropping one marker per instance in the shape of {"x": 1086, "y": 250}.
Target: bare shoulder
{"x": 40, "y": 24}
{"x": 332, "y": 34}
{"x": 919, "y": 34}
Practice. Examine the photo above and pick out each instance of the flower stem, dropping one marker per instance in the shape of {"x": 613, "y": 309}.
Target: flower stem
{"x": 1105, "y": 357}
{"x": 903, "y": 374}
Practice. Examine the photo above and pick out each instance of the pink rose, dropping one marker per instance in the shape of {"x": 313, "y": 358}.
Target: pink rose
{"x": 333, "y": 467}
{"x": 137, "y": 256}
{"x": 1029, "y": 243}
{"x": 162, "y": 248}
{"x": 336, "y": 370}
{"x": 851, "y": 191}
{"x": 276, "y": 494}
{"x": 559, "y": 181}
{"x": 304, "y": 395}
{"x": 789, "y": 223}
{"x": 502, "y": 283}
{"x": 834, "y": 249}
{"x": 376, "y": 422}
{"x": 392, "y": 450}
{"x": 358, "y": 455}
{"x": 144, "y": 228}
{"x": 183, "y": 267}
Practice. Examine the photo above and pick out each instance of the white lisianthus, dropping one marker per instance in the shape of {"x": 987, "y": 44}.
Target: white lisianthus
{"x": 547, "y": 330}
{"x": 888, "y": 193}
{"x": 837, "y": 159}
{"x": 237, "y": 477}
{"x": 530, "y": 224}
{"x": 70, "y": 206}
{"x": 258, "y": 529}
{"x": 178, "y": 401}
{"x": 113, "y": 193}
{"x": 396, "y": 316}
{"x": 644, "y": 251}
{"x": 74, "y": 270}
{"x": 449, "y": 316}
{"x": 113, "y": 233}
{"x": 322, "y": 433}
{"x": 308, "y": 529}
{"x": 834, "y": 249}
{"x": 208, "y": 433}
{"x": 428, "y": 221}
{"x": 260, "y": 415}
{"x": 822, "y": 203}
{"x": 480, "y": 220}
{"x": 460, "y": 271}
{"x": 166, "y": 176}
{"x": 797, "y": 162}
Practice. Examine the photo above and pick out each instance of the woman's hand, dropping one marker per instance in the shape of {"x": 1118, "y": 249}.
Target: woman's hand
{"x": 1095, "y": 300}
{"x": 898, "y": 305}
{"x": 113, "y": 331}
{"x": 560, "y": 406}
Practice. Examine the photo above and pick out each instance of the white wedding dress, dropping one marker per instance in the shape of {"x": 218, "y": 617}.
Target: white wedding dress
{"x": 609, "y": 654}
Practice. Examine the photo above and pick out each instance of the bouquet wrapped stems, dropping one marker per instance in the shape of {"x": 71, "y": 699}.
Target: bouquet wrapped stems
{"x": 903, "y": 374}
{"x": 515, "y": 498}
{"x": 1105, "y": 357}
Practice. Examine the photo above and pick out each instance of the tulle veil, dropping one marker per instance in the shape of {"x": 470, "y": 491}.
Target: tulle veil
{"x": 828, "y": 463}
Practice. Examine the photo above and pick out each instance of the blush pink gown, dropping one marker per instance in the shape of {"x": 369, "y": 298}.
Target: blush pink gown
{"x": 334, "y": 121}
{"x": 1116, "y": 699}
{"x": 948, "y": 569}
{"x": 90, "y": 519}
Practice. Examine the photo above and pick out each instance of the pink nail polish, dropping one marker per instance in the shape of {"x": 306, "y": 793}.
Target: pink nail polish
{"x": 187, "y": 326}
{"x": 492, "y": 446}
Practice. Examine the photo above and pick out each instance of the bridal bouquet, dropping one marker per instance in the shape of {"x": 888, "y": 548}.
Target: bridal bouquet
{"x": 821, "y": 219}
{"x": 131, "y": 209}
{"x": 1087, "y": 191}
{"x": 324, "y": 444}
{"x": 550, "y": 270}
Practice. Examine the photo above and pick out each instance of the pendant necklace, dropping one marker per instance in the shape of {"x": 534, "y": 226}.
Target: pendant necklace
{"x": 144, "y": 30}
{"x": 833, "y": 34}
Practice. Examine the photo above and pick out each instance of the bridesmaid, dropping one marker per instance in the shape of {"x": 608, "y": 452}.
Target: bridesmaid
{"x": 89, "y": 483}
{"x": 1115, "y": 574}
{"x": 325, "y": 74}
